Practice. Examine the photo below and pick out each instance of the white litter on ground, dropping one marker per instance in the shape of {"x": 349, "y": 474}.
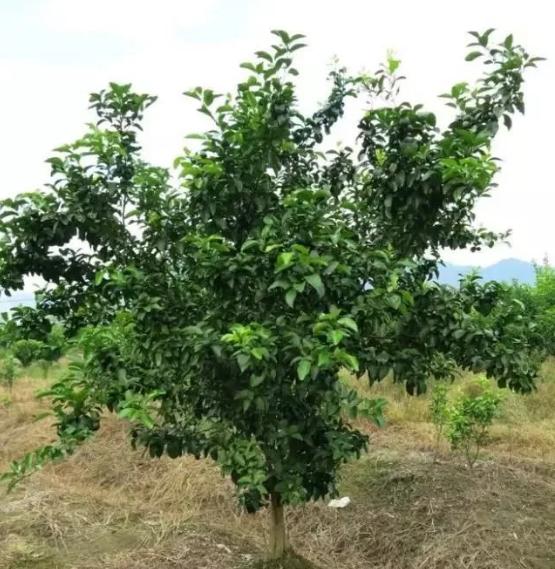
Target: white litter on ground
{"x": 340, "y": 502}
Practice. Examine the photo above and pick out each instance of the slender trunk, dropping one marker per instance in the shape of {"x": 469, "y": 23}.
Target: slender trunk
{"x": 278, "y": 536}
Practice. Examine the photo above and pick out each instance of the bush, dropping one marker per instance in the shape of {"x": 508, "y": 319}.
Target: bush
{"x": 470, "y": 417}
{"x": 439, "y": 409}
{"x": 27, "y": 351}
{"x": 539, "y": 300}
{"x": 24, "y": 325}
{"x": 8, "y": 331}
{"x": 5, "y": 401}
{"x": 56, "y": 343}
{"x": 8, "y": 370}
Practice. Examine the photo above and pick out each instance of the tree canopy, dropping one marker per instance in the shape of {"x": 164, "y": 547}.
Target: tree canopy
{"x": 216, "y": 314}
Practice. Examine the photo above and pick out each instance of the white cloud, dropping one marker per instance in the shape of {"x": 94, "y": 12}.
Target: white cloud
{"x": 140, "y": 20}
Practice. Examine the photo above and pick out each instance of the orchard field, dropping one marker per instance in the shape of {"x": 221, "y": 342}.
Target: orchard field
{"x": 412, "y": 505}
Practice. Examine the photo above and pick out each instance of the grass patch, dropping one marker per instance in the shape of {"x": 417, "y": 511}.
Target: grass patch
{"x": 290, "y": 561}
{"x": 108, "y": 507}
{"x": 525, "y": 428}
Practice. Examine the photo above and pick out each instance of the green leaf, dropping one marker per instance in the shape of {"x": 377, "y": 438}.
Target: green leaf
{"x": 244, "y": 361}
{"x": 282, "y": 35}
{"x": 284, "y": 260}
{"x": 303, "y": 369}
{"x": 458, "y": 89}
{"x": 393, "y": 64}
{"x": 290, "y": 297}
{"x": 324, "y": 358}
{"x": 256, "y": 380}
{"x": 473, "y": 55}
{"x": 316, "y": 283}
{"x": 248, "y": 65}
{"x": 331, "y": 268}
{"x": 264, "y": 55}
{"x": 99, "y": 277}
{"x": 394, "y": 301}
{"x": 336, "y": 336}
{"x": 351, "y": 362}
{"x": 257, "y": 353}
{"x": 279, "y": 283}
{"x": 484, "y": 38}
{"x": 348, "y": 323}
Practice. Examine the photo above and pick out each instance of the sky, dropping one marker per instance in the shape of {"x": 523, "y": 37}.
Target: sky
{"x": 53, "y": 53}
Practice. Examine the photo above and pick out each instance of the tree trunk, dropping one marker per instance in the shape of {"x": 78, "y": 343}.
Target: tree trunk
{"x": 278, "y": 536}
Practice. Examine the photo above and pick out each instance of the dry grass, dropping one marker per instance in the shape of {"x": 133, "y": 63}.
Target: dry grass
{"x": 525, "y": 429}
{"x": 111, "y": 508}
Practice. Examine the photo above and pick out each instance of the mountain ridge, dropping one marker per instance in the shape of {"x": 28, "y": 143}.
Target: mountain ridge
{"x": 506, "y": 270}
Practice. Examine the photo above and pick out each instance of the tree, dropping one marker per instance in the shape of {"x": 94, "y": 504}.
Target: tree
{"x": 470, "y": 417}
{"x": 215, "y": 316}
{"x": 439, "y": 410}
{"x": 8, "y": 370}
{"x": 539, "y": 300}
{"x": 28, "y": 351}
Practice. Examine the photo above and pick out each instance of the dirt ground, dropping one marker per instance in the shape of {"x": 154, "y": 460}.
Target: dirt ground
{"x": 413, "y": 506}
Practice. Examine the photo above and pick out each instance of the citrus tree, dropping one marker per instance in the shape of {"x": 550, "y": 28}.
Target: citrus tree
{"x": 470, "y": 417}
{"x": 539, "y": 300}
{"x": 216, "y": 314}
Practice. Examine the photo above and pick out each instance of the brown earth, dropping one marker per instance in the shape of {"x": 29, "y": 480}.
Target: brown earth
{"x": 413, "y": 506}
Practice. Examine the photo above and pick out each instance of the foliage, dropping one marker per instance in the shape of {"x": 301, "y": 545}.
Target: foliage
{"x": 26, "y": 323}
{"x": 7, "y": 331}
{"x": 28, "y": 351}
{"x": 216, "y": 316}
{"x": 8, "y": 370}
{"x": 539, "y": 300}
{"x": 56, "y": 343}
{"x": 470, "y": 416}
{"x": 439, "y": 408}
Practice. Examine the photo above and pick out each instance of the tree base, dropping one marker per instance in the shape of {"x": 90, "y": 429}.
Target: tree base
{"x": 289, "y": 561}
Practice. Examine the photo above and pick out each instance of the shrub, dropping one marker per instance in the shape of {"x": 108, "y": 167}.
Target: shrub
{"x": 439, "y": 409}
{"x": 8, "y": 370}
{"x": 27, "y": 351}
{"x": 56, "y": 343}
{"x": 470, "y": 417}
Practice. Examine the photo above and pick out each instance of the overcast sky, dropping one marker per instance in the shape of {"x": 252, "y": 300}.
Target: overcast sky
{"x": 54, "y": 52}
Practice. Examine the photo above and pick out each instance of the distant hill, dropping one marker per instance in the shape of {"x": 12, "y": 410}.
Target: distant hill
{"x": 506, "y": 270}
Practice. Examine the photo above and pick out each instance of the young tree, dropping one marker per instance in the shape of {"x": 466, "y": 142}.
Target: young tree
{"x": 216, "y": 315}
{"x": 470, "y": 417}
{"x": 28, "y": 351}
{"x": 9, "y": 369}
